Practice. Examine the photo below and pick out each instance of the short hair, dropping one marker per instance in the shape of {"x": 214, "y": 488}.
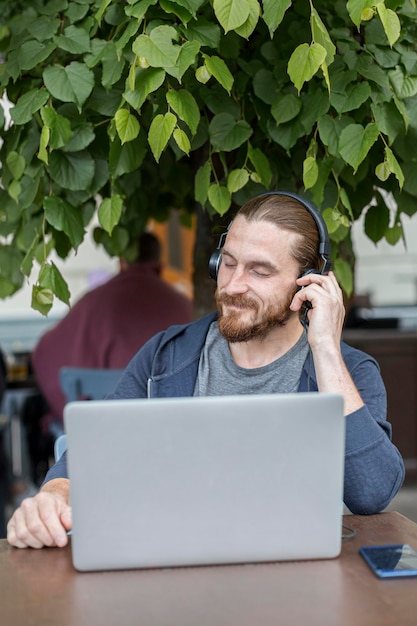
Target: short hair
{"x": 289, "y": 214}
{"x": 149, "y": 250}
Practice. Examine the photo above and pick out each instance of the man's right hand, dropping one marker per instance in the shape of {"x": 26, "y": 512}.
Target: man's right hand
{"x": 44, "y": 519}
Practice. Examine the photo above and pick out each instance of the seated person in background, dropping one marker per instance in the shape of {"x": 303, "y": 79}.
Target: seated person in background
{"x": 109, "y": 324}
{"x": 272, "y": 264}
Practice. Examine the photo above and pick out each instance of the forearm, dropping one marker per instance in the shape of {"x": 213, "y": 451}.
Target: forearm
{"x": 334, "y": 377}
{"x": 374, "y": 469}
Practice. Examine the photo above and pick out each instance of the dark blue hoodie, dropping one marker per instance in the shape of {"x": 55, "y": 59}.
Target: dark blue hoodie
{"x": 167, "y": 366}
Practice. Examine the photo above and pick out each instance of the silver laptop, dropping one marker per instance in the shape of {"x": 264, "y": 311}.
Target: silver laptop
{"x": 193, "y": 481}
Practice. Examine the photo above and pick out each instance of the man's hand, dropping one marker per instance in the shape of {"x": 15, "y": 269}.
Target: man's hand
{"x": 327, "y": 313}
{"x": 44, "y": 519}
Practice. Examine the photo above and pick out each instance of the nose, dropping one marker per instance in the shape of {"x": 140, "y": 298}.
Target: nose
{"x": 236, "y": 281}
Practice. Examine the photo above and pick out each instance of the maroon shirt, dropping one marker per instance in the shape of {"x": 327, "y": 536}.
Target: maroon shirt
{"x": 107, "y": 326}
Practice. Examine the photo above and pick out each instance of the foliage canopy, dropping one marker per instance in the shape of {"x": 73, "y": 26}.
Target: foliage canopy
{"x": 128, "y": 108}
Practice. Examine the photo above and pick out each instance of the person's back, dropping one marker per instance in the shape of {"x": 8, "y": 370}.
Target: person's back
{"x": 108, "y": 325}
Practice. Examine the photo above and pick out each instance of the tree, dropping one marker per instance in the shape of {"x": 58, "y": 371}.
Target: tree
{"x": 130, "y": 108}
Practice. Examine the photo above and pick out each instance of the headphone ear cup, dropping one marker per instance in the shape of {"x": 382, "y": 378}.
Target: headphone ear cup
{"x": 214, "y": 264}
{"x": 306, "y": 273}
{"x": 216, "y": 257}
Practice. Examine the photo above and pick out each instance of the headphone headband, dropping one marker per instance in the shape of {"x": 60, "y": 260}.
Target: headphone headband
{"x": 324, "y": 245}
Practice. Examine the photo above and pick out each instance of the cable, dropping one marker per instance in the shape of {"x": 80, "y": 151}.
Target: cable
{"x": 350, "y": 532}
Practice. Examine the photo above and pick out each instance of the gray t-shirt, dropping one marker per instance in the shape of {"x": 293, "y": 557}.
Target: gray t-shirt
{"x": 218, "y": 374}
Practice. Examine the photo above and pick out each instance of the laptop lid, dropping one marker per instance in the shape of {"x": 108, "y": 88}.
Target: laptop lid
{"x": 192, "y": 481}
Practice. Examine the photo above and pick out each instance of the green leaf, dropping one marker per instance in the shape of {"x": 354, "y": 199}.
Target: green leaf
{"x": 202, "y": 183}
{"x": 356, "y": 141}
{"x": 160, "y": 131}
{"x": 28, "y": 104}
{"x": 389, "y": 119}
{"x": 273, "y": 13}
{"x": 146, "y": 82}
{"x": 304, "y": 62}
{"x": 157, "y": 47}
{"x": 202, "y": 74}
{"x": 286, "y": 108}
{"x": 394, "y": 166}
{"x": 354, "y": 97}
{"x": 64, "y": 217}
{"x": 172, "y": 7}
{"x": 321, "y": 36}
{"x": 344, "y": 275}
{"x": 74, "y": 171}
{"x": 103, "y": 6}
{"x": 227, "y": 134}
{"x": 113, "y": 65}
{"x": 231, "y": 13}
{"x": 73, "y": 83}
{"x": 16, "y": 164}
{"x": 43, "y": 144}
{"x": 59, "y": 126}
{"x": 394, "y": 234}
{"x": 182, "y": 141}
{"x": 192, "y": 6}
{"x": 127, "y": 125}
{"x": 376, "y": 221}
{"x": 27, "y": 263}
{"x": 390, "y": 22}
{"x": 14, "y": 190}
{"x": 109, "y": 212}
{"x": 220, "y": 198}
{"x": 127, "y": 157}
{"x": 218, "y": 68}
{"x": 310, "y": 172}
{"x": 33, "y": 53}
{"x": 266, "y": 87}
{"x": 74, "y": 40}
{"x": 185, "y": 106}
{"x": 237, "y": 179}
{"x": 249, "y": 25}
{"x": 355, "y": 9}
{"x": 186, "y": 58}
{"x": 404, "y": 86}
{"x": 383, "y": 171}
{"x": 261, "y": 165}
{"x": 50, "y": 278}
{"x": 42, "y": 299}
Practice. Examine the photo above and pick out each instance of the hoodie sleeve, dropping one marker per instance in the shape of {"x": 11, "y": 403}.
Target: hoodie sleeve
{"x": 374, "y": 469}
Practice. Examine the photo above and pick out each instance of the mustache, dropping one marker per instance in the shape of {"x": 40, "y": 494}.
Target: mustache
{"x": 239, "y": 301}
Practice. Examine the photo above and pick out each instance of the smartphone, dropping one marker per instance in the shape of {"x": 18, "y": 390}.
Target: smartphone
{"x": 391, "y": 561}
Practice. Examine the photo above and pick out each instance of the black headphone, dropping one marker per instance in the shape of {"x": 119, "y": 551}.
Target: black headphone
{"x": 324, "y": 245}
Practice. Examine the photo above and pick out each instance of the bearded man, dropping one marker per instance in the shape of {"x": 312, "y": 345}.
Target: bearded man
{"x": 277, "y": 330}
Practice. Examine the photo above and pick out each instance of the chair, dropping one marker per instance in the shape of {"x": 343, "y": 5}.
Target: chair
{"x": 60, "y": 446}
{"x": 83, "y": 383}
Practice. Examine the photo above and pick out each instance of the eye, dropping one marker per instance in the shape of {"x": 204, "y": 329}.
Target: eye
{"x": 263, "y": 273}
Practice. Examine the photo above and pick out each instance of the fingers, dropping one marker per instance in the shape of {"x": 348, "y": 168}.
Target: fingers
{"x": 315, "y": 286}
{"x": 37, "y": 522}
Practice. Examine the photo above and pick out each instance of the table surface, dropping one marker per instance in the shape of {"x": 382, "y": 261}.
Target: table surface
{"x": 41, "y": 587}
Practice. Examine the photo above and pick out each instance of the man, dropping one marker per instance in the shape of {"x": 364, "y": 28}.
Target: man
{"x": 109, "y": 324}
{"x": 272, "y": 275}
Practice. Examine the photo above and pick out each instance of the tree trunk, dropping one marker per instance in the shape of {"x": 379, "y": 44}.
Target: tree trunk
{"x": 205, "y": 243}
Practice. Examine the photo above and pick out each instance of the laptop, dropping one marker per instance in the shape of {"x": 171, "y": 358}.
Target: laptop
{"x": 198, "y": 481}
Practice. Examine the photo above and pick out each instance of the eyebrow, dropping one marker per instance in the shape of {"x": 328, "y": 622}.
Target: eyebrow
{"x": 253, "y": 262}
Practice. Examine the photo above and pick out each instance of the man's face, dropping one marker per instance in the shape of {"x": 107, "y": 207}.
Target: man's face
{"x": 256, "y": 280}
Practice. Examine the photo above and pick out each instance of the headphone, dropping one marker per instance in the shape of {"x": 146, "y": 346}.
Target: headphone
{"x": 324, "y": 245}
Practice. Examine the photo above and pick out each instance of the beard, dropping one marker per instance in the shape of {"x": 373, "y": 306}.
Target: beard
{"x": 234, "y": 329}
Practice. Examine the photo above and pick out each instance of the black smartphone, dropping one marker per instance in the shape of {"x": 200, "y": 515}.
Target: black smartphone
{"x": 391, "y": 561}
